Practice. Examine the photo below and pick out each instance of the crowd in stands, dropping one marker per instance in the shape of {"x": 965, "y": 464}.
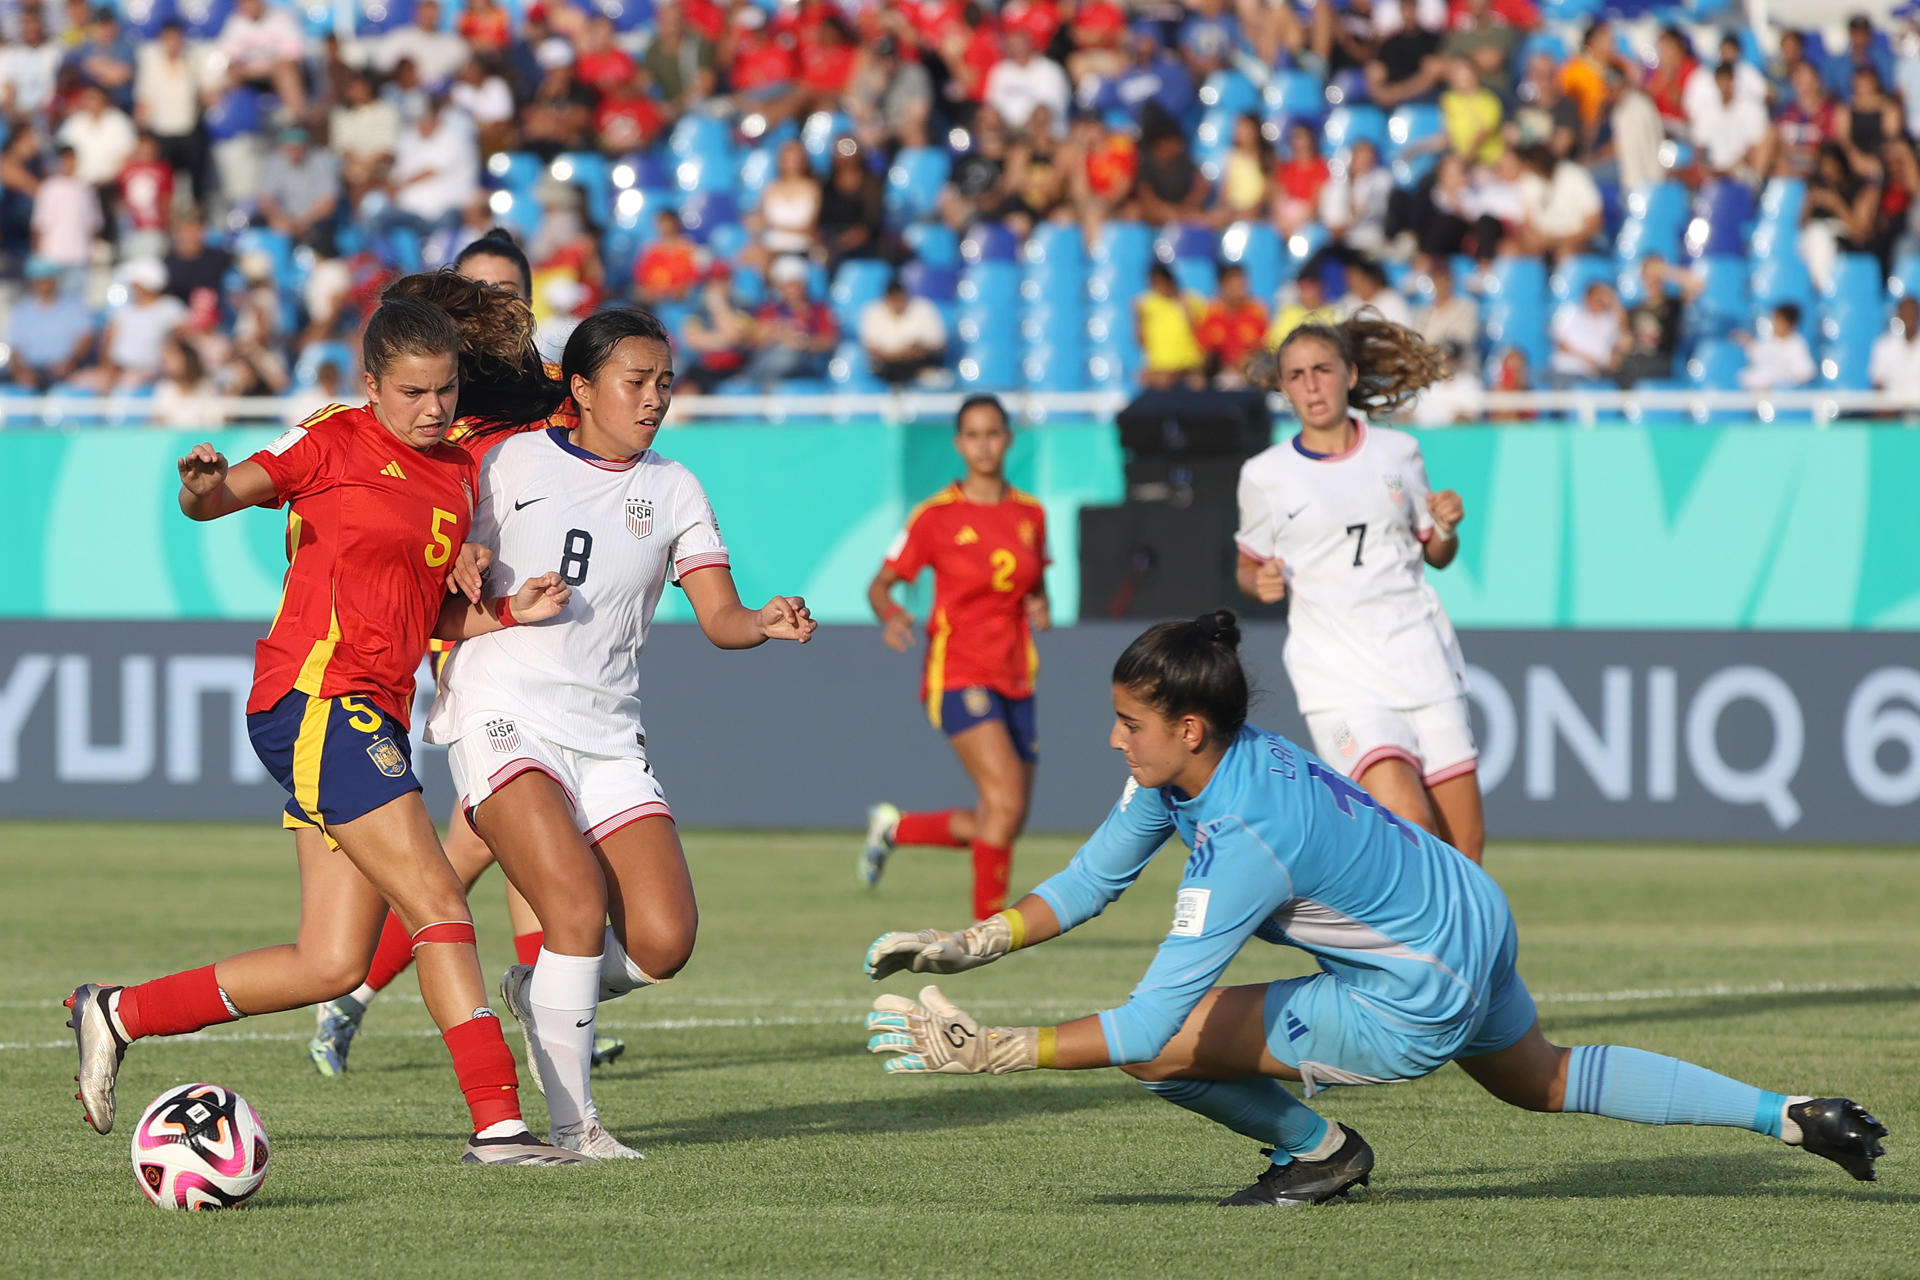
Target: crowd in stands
{"x": 202, "y": 198}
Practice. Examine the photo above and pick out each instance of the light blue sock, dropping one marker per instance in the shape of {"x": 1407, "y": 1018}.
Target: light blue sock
{"x": 1649, "y": 1088}
{"x": 1259, "y": 1108}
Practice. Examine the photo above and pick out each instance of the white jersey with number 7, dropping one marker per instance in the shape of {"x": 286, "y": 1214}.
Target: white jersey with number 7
{"x": 1364, "y": 628}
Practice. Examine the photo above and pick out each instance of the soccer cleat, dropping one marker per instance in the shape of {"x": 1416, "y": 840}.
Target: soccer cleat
{"x": 606, "y": 1049}
{"x": 513, "y": 994}
{"x": 337, "y": 1023}
{"x": 882, "y": 819}
{"x": 518, "y": 1148}
{"x": 1840, "y": 1130}
{"x": 101, "y": 1049}
{"x": 1304, "y": 1182}
{"x": 591, "y": 1138}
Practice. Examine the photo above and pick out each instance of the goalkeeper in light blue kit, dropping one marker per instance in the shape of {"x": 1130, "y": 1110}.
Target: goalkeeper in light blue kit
{"x": 1416, "y": 946}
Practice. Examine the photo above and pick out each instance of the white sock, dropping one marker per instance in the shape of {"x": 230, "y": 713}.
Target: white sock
{"x": 1789, "y": 1131}
{"x": 364, "y": 994}
{"x": 618, "y": 973}
{"x": 504, "y": 1129}
{"x": 562, "y": 996}
{"x": 1329, "y": 1143}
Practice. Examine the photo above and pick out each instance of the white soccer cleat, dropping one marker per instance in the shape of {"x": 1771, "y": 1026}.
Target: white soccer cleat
{"x": 590, "y": 1138}
{"x": 101, "y": 1049}
{"x": 882, "y": 819}
{"x": 513, "y": 994}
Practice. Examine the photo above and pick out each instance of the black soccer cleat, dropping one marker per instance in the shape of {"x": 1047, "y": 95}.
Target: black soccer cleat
{"x": 1840, "y": 1130}
{"x": 1304, "y": 1182}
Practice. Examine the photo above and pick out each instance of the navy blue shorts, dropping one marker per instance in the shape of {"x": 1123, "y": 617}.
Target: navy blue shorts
{"x": 338, "y": 758}
{"x": 962, "y": 709}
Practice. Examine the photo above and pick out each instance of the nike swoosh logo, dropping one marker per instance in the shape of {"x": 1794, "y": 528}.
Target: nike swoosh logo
{"x": 584, "y": 1022}
{"x": 1290, "y": 515}
{"x": 529, "y": 502}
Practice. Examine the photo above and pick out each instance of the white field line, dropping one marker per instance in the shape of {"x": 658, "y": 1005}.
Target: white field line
{"x": 850, "y": 1011}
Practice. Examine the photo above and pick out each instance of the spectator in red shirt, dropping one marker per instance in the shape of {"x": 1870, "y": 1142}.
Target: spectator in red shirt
{"x": 1099, "y": 31}
{"x": 599, "y": 61}
{"x": 760, "y": 61}
{"x": 1666, "y": 84}
{"x": 968, "y": 47}
{"x": 628, "y": 119}
{"x": 1040, "y": 19}
{"x": 826, "y": 64}
{"x": 1298, "y": 179}
{"x": 1233, "y": 328}
{"x": 486, "y": 26}
{"x": 669, "y": 268}
{"x": 793, "y": 333}
{"x": 146, "y": 196}
{"x": 1806, "y": 125}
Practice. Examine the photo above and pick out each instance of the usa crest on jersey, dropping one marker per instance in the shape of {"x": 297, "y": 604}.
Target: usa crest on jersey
{"x": 503, "y": 735}
{"x": 639, "y": 517}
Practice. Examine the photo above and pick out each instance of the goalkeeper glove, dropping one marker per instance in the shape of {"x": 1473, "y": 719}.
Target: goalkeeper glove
{"x": 935, "y": 1035}
{"x": 937, "y": 951}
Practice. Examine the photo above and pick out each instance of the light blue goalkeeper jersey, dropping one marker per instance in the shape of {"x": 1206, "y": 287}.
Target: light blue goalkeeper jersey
{"x": 1286, "y": 849}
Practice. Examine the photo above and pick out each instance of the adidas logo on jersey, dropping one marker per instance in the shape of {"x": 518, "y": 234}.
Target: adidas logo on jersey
{"x": 966, "y": 536}
{"x": 393, "y": 469}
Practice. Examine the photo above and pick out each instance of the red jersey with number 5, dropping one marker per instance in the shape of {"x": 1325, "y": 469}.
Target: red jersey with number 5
{"x": 372, "y": 528}
{"x": 986, "y": 561}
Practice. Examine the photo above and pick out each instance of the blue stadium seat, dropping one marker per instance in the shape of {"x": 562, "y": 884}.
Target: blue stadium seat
{"x": 726, "y": 241}
{"x": 1182, "y": 242}
{"x": 818, "y": 135}
{"x": 1212, "y": 141}
{"x": 1570, "y": 282}
{"x": 705, "y": 211}
{"x": 1545, "y": 40}
{"x": 696, "y": 134}
{"x": 849, "y": 370}
{"x": 306, "y": 370}
{"x": 1716, "y": 366}
{"x": 1905, "y": 279}
{"x": 1778, "y": 229}
{"x": 1410, "y": 124}
{"x": 757, "y": 168}
{"x": 989, "y": 366}
{"x": 914, "y": 183}
{"x": 1055, "y": 244}
{"x": 619, "y": 249}
{"x": 144, "y": 18}
{"x": 937, "y": 284}
{"x": 1846, "y": 365}
{"x": 593, "y": 174}
{"x": 1783, "y": 278}
{"x": 1728, "y": 210}
{"x": 1113, "y": 326}
{"x": 1656, "y": 220}
{"x": 1196, "y": 275}
{"x": 1348, "y": 86}
{"x": 1857, "y": 280}
{"x": 1054, "y": 322}
{"x": 376, "y": 17}
{"x": 516, "y": 171}
{"x": 1230, "y": 92}
{"x": 1256, "y": 247}
{"x": 857, "y": 282}
{"x": 1357, "y": 122}
{"x": 1054, "y": 368}
{"x": 989, "y": 242}
{"x": 627, "y": 15}
{"x": 1296, "y": 93}
{"x": 204, "y": 18}
{"x": 1303, "y": 244}
{"x": 991, "y": 287}
{"x": 1123, "y": 245}
{"x": 1724, "y": 300}
{"x": 1113, "y": 368}
{"x": 933, "y": 244}
{"x": 1518, "y": 307}
{"x": 239, "y": 111}
{"x": 707, "y": 171}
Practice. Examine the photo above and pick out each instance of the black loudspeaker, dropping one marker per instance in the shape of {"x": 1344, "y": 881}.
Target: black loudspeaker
{"x": 1157, "y": 560}
{"x": 1196, "y": 424}
{"x": 1182, "y": 481}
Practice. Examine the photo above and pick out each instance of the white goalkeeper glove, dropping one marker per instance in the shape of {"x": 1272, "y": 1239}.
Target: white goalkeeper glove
{"x": 935, "y": 1035}
{"x": 937, "y": 951}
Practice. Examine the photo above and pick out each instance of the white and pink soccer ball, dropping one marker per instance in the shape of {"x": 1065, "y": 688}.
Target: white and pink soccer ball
{"x": 199, "y": 1146}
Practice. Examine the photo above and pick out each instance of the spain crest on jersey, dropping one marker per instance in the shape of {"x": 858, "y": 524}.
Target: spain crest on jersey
{"x": 639, "y": 517}
{"x": 502, "y": 735}
{"x": 387, "y": 758}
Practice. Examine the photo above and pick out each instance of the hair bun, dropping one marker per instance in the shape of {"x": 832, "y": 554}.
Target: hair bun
{"x": 1220, "y": 626}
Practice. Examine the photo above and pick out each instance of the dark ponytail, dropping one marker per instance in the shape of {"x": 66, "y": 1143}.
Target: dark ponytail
{"x": 503, "y": 381}
{"x": 1189, "y": 668}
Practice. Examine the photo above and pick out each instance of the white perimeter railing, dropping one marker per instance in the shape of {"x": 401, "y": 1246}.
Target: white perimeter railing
{"x": 1584, "y": 408}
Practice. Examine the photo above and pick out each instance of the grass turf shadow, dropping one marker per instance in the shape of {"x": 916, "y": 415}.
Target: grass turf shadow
{"x": 1745, "y": 1006}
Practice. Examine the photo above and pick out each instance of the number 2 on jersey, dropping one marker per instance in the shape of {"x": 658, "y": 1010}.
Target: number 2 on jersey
{"x": 1359, "y": 542}
{"x": 574, "y": 556}
{"x": 1003, "y": 563}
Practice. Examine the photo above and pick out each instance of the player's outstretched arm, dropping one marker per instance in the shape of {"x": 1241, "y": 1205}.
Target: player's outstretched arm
{"x": 732, "y": 625}
{"x": 537, "y": 600}
{"x": 1026, "y": 923}
{"x": 933, "y": 1035}
{"x": 209, "y": 488}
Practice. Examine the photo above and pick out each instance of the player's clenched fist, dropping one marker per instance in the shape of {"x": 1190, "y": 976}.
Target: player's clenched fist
{"x": 1270, "y": 581}
{"x": 1447, "y": 511}
{"x": 540, "y": 598}
{"x": 203, "y": 470}
{"x": 937, "y": 951}
{"x": 935, "y": 1035}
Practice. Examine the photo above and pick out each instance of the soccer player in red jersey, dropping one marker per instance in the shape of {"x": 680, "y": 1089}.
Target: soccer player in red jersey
{"x": 493, "y": 259}
{"x": 380, "y": 506}
{"x": 987, "y": 545}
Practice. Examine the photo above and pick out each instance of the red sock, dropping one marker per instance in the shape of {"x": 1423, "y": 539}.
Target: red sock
{"x": 173, "y": 1005}
{"x": 392, "y": 956}
{"x": 527, "y": 945}
{"x": 484, "y": 1066}
{"x": 934, "y": 828}
{"x": 991, "y": 864}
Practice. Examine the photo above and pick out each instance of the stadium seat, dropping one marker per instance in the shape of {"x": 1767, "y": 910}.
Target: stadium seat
{"x": 592, "y": 173}
{"x": 1112, "y": 326}
{"x": 1231, "y": 93}
{"x": 1846, "y": 365}
{"x": 1716, "y": 366}
{"x": 914, "y": 183}
{"x": 1778, "y": 228}
{"x": 377, "y": 17}
{"x": 937, "y": 284}
{"x": 1783, "y": 278}
{"x": 516, "y": 171}
{"x": 989, "y": 366}
{"x": 1296, "y": 93}
{"x": 1518, "y": 307}
{"x": 144, "y": 18}
{"x": 1212, "y": 141}
{"x": 1196, "y": 275}
{"x": 1256, "y": 247}
{"x": 627, "y": 15}
{"x": 697, "y": 134}
{"x": 857, "y": 282}
{"x": 1051, "y": 368}
{"x": 1545, "y": 40}
{"x": 1303, "y": 244}
{"x": 818, "y": 135}
{"x": 1055, "y": 244}
{"x": 1055, "y": 322}
{"x": 849, "y": 370}
{"x": 1184, "y": 242}
{"x": 707, "y": 171}
{"x": 1123, "y": 245}
{"x": 1724, "y": 300}
{"x": 306, "y": 371}
{"x": 1570, "y": 281}
{"x": 1905, "y": 279}
{"x": 1410, "y": 124}
{"x": 202, "y": 19}
{"x": 1656, "y": 220}
{"x": 1857, "y": 280}
{"x": 1357, "y": 122}
{"x": 1727, "y": 208}
{"x": 726, "y": 241}
{"x": 991, "y": 287}
{"x": 619, "y": 249}
{"x": 989, "y": 242}
{"x": 933, "y": 244}
{"x": 706, "y": 211}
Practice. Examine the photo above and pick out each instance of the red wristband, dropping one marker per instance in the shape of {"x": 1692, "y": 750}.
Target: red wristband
{"x": 503, "y": 612}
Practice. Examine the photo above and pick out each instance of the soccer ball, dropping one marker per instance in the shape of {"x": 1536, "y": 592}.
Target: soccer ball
{"x": 199, "y": 1146}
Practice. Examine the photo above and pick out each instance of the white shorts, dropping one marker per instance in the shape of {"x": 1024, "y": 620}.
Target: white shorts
{"x": 1436, "y": 739}
{"x": 606, "y": 792}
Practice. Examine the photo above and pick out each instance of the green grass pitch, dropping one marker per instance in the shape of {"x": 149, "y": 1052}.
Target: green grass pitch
{"x": 777, "y": 1147}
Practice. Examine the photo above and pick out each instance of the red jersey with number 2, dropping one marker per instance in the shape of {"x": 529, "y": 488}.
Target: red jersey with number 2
{"x": 986, "y": 561}
{"x": 372, "y": 528}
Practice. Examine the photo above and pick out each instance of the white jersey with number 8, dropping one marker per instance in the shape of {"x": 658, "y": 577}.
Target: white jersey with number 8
{"x": 617, "y": 532}
{"x": 1364, "y": 628}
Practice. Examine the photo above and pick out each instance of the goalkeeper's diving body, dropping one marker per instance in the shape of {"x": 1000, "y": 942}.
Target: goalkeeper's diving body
{"x": 1416, "y": 946}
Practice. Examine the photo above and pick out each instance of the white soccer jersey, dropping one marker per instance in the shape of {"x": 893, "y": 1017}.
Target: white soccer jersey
{"x": 1364, "y": 628}
{"x": 617, "y": 532}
